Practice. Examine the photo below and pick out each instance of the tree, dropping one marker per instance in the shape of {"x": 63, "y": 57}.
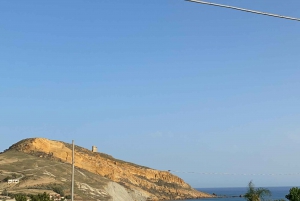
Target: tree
{"x": 20, "y": 197}
{"x": 59, "y": 190}
{"x": 40, "y": 197}
{"x": 294, "y": 194}
{"x": 256, "y": 194}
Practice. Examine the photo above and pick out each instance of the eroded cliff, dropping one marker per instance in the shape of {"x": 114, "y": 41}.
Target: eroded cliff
{"x": 152, "y": 184}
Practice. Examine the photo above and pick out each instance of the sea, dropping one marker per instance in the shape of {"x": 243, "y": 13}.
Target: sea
{"x": 232, "y": 194}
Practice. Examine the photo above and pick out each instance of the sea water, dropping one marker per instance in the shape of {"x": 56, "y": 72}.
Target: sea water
{"x": 277, "y": 193}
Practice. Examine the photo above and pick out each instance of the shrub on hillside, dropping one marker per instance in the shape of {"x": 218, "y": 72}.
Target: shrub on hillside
{"x": 59, "y": 190}
{"x": 20, "y": 197}
{"x": 40, "y": 197}
{"x": 4, "y": 192}
{"x": 7, "y": 178}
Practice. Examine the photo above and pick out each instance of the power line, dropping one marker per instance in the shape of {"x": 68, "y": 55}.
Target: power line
{"x": 244, "y": 10}
{"x": 237, "y": 174}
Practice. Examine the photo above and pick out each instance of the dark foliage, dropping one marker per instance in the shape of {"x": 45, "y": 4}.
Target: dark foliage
{"x": 294, "y": 194}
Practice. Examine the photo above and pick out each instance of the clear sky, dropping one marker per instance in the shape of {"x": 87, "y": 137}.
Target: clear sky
{"x": 171, "y": 85}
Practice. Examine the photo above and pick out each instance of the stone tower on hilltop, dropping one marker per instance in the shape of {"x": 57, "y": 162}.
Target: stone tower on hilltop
{"x": 94, "y": 149}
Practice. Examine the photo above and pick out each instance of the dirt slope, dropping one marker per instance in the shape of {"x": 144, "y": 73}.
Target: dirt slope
{"x": 38, "y": 175}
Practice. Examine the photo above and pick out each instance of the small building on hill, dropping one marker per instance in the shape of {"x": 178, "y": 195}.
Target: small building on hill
{"x": 13, "y": 181}
{"x": 94, "y": 149}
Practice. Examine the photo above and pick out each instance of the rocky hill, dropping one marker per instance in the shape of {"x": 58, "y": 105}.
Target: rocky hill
{"x": 98, "y": 175}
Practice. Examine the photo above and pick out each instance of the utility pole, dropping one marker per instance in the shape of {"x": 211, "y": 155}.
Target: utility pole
{"x": 73, "y": 168}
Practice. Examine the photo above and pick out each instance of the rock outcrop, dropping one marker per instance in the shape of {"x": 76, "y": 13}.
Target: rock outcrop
{"x": 148, "y": 183}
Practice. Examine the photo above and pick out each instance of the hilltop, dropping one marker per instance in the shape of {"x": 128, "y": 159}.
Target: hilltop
{"x": 42, "y": 164}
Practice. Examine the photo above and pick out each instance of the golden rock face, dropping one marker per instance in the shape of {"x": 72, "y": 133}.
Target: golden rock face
{"x": 154, "y": 184}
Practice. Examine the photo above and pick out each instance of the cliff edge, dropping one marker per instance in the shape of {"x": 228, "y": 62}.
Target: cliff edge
{"x": 149, "y": 183}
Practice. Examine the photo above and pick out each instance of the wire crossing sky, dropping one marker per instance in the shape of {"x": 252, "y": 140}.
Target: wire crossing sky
{"x": 245, "y": 10}
{"x": 239, "y": 174}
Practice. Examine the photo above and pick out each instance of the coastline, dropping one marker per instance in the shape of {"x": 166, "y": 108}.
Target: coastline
{"x": 233, "y": 193}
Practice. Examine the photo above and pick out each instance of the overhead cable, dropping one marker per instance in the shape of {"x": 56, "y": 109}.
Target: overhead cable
{"x": 244, "y": 10}
{"x": 238, "y": 174}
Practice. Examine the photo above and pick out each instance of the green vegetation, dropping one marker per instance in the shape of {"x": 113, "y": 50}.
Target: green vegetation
{"x": 294, "y": 194}
{"x": 12, "y": 176}
{"x": 20, "y": 197}
{"x": 4, "y": 192}
{"x": 40, "y": 197}
{"x": 256, "y": 194}
{"x": 59, "y": 190}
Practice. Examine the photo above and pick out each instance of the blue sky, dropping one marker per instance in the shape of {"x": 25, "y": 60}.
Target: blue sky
{"x": 168, "y": 84}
